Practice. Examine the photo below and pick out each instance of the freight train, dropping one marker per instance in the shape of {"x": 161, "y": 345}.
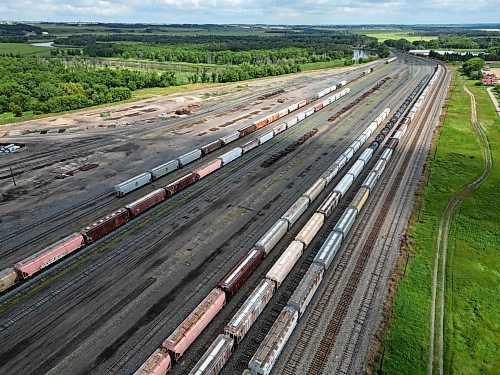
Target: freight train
{"x": 179, "y": 341}
{"x": 110, "y": 222}
{"x": 269, "y": 350}
{"x": 155, "y": 173}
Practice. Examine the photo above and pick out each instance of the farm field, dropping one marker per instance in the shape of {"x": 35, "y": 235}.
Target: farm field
{"x": 24, "y": 49}
{"x": 385, "y": 34}
{"x": 471, "y": 338}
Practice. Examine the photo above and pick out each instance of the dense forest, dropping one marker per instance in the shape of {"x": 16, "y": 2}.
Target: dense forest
{"x": 17, "y": 33}
{"x": 40, "y": 86}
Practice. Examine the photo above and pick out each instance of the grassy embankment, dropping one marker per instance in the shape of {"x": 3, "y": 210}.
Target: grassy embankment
{"x": 472, "y": 328}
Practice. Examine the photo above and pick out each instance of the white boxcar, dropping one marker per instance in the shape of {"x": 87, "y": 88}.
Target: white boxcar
{"x": 321, "y": 94}
{"x": 398, "y": 134}
{"x": 283, "y": 112}
{"x": 301, "y": 116}
{"x": 333, "y": 88}
{"x": 189, "y": 157}
{"x": 346, "y": 221}
{"x": 229, "y": 156}
{"x": 296, "y": 210}
{"x": 164, "y": 169}
{"x": 343, "y": 83}
{"x": 304, "y": 292}
{"x": 315, "y": 189}
{"x": 330, "y": 173}
{"x": 361, "y": 138}
{"x": 355, "y": 145}
{"x": 293, "y": 121}
{"x": 280, "y": 270}
{"x": 248, "y": 313}
{"x": 309, "y": 111}
{"x": 380, "y": 166}
{"x": 272, "y": 236}
{"x": 348, "y": 154}
{"x": 293, "y": 107}
{"x": 329, "y": 249}
{"x": 371, "y": 180}
{"x": 266, "y": 137}
{"x": 326, "y": 102}
{"x": 279, "y": 128}
{"x": 344, "y": 158}
{"x": 230, "y": 138}
{"x": 344, "y": 184}
{"x": 386, "y": 155}
{"x": 356, "y": 168}
{"x": 216, "y": 356}
{"x": 133, "y": 183}
{"x": 366, "y": 155}
{"x": 270, "y": 349}
{"x": 309, "y": 231}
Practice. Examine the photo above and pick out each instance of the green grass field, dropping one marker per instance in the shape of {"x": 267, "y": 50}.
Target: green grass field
{"x": 322, "y": 65}
{"x": 472, "y": 337}
{"x": 24, "y": 49}
{"x": 384, "y": 34}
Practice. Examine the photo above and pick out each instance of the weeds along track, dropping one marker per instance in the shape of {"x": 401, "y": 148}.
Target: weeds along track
{"x": 319, "y": 361}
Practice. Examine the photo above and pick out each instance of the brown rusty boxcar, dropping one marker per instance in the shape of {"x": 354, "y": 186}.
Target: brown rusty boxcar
{"x": 144, "y": 203}
{"x": 241, "y": 271}
{"x": 247, "y": 130}
{"x": 180, "y": 184}
{"x": 212, "y": 146}
{"x": 105, "y": 225}
{"x": 392, "y": 143}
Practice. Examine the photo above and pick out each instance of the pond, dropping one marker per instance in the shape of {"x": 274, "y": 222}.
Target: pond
{"x": 43, "y": 44}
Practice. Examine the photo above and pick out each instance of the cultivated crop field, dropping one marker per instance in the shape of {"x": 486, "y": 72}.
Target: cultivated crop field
{"x": 385, "y": 34}
{"x": 24, "y": 49}
{"x": 471, "y": 314}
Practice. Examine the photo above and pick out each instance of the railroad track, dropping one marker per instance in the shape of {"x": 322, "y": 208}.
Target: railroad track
{"x": 323, "y": 351}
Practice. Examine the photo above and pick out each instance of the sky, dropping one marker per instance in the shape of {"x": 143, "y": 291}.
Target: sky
{"x": 253, "y": 11}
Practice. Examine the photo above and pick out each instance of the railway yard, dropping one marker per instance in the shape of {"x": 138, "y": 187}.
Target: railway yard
{"x": 284, "y": 168}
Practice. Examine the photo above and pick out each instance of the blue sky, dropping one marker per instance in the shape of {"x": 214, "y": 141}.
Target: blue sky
{"x": 255, "y": 11}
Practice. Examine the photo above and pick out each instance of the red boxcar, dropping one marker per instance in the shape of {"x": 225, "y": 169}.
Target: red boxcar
{"x": 180, "y": 184}
{"x": 212, "y": 146}
{"x": 208, "y": 168}
{"x": 317, "y": 107}
{"x": 184, "y": 335}
{"x": 242, "y": 271}
{"x": 49, "y": 255}
{"x": 158, "y": 363}
{"x": 392, "y": 143}
{"x": 146, "y": 202}
{"x": 105, "y": 225}
{"x": 247, "y": 130}
{"x": 260, "y": 123}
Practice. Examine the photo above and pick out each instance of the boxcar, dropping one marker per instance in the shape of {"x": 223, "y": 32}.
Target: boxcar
{"x": 308, "y": 232}
{"x": 371, "y": 180}
{"x": 293, "y": 107}
{"x": 296, "y": 210}
{"x": 379, "y": 166}
{"x": 392, "y": 143}
{"x": 216, "y": 356}
{"x": 272, "y": 236}
{"x": 302, "y": 103}
{"x": 331, "y": 172}
{"x": 309, "y": 111}
{"x": 329, "y": 204}
{"x": 132, "y": 184}
{"x": 164, "y": 169}
{"x": 212, "y": 146}
{"x": 317, "y": 107}
{"x": 105, "y": 225}
{"x": 304, "y": 292}
{"x": 272, "y": 117}
{"x": 158, "y": 363}
{"x": 230, "y": 138}
{"x": 280, "y": 270}
{"x": 329, "y": 249}
{"x": 270, "y": 349}
{"x": 266, "y": 137}
{"x": 366, "y": 155}
{"x": 241, "y": 271}
{"x": 344, "y": 184}
{"x": 347, "y": 154}
{"x": 189, "y": 157}
{"x": 260, "y": 123}
{"x": 250, "y": 145}
{"x": 360, "y": 198}
{"x": 279, "y": 128}
{"x": 49, "y": 255}
{"x": 355, "y": 145}
{"x": 315, "y": 189}
{"x": 283, "y": 112}
{"x": 207, "y": 168}
{"x": 230, "y": 156}
{"x": 180, "y": 184}
{"x": 185, "y": 334}
{"x": 248, "y": 313}
{"x": 346, "y": 221}
{"x": 386, "y": 154}
{"x": 8, "y": 278}
{"x": 356, "y": 168}
{"x": 247, "y": 130}
{"x": 142, "y": 204}
{"x": 301, "y": 116}
{"x": 293, "y": 121}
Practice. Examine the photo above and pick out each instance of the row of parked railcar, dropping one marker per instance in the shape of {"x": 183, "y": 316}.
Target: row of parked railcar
{"x": 110, "y": 222}
{"x": 155, "y": 173}
{"x": 392, "y": 59}
{"x": 213, "y": 360}
{"x": 274, "y": 342}
{"x": 267, "y": 354}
